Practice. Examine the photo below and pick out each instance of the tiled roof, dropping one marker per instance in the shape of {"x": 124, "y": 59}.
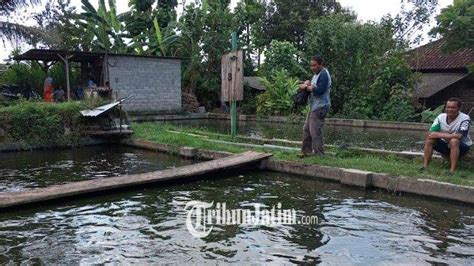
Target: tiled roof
{"x": 430, "y": 57}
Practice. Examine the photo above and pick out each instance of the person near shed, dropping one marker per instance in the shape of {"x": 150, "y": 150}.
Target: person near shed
{"x": 319, "y": 100}
{"x": 449, "y": 135}
{"x": 79, "y": 91}
{"x": 48, "y": 89}
{"x": 59, "y": 94}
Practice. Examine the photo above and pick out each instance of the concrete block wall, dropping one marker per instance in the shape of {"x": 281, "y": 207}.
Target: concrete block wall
{"x": 155, "y": 83}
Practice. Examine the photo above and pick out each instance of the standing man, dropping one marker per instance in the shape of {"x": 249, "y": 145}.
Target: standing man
{"x": 319, "y": 88}
{"x": 449, "y": 135}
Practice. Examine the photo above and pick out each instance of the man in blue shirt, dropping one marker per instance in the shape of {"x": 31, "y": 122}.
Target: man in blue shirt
{"x": 319, "y": 100}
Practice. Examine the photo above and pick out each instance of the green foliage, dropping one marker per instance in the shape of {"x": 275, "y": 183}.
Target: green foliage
{"x": 352, "y": 52}
{"x": 282, "y": 55}
{"x": 428, "y": 116}
{"x": 370, "y": 78}
{"x": 391, "y": 94}
{"x": 278, "y": 98}
{"x": 389, "y": 97}
{"x": 32, "y": 75}
{"x": 287, "y": 20}
{"x": 43, "y": 124}
{"x": 455, "y": 24}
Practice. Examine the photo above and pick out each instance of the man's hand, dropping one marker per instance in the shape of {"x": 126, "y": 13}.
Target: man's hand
{"x": 302, "y": 87}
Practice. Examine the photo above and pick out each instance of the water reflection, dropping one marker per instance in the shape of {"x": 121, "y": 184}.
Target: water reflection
{"x": 148, "y": 226}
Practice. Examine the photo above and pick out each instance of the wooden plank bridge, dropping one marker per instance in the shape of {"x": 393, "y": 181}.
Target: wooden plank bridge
{"x": 13, "y": 199}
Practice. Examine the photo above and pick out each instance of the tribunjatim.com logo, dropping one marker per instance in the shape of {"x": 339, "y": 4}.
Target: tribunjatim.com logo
{"x": 202, "y": 216}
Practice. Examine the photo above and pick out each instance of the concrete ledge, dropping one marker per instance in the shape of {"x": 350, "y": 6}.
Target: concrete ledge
{"x": 312, "y": 170}
{"x": 352, "y": 177}
{"x": 186, "y": 152}
{"x": 424, "y": 187}
{"x": 165, "y": 117}
{"x": 356, "y": 178}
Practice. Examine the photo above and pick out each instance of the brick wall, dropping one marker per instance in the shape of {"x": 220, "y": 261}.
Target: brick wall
{"x": 154, "y": 82}
{"x": 463, "y": 89}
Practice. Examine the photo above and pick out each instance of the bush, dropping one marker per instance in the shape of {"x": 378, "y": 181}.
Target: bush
{"x": 428, "y": 116}
{"x": 43, "y": 124}
{"x": 282, "y": 55}
{"x": 278, "y": 98}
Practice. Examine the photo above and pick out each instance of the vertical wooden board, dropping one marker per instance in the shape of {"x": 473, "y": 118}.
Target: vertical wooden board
{"x": 232, "y": 64}
{"x": 225, "y": 84}
{"x": 238, "y": 76}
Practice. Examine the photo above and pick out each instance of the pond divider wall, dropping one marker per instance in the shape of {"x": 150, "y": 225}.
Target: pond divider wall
{"x": 351, "y": 177}
{"x": 18, "y": 146}
{"x": 287, "y": 119}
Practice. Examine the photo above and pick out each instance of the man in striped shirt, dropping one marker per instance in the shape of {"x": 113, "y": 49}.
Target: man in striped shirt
{"x": 449, "y": 135}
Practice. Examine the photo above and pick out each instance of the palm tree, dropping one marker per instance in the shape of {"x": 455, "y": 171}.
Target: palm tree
{"x": 15, "y": 32}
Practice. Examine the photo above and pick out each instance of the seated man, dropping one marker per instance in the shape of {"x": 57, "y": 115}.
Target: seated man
{"x": 449, "y": 135}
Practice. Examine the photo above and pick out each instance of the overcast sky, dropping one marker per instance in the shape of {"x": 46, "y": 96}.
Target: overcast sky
{"x": 365, "y": 10}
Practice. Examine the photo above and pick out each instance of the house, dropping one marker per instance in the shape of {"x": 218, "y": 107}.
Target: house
{"x": 154, "y": 82}
{"x": 442, "y": 75}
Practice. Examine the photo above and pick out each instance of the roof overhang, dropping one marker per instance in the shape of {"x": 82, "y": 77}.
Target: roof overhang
{"x": 75, "y": 56}
{"x": 432, "y": 83}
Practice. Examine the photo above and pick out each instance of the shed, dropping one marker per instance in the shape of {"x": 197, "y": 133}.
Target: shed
{"x": 153, "y": 81}
{"x": 443, "y": 75}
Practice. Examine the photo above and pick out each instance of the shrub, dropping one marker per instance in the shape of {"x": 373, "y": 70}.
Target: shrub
{"x": 278, "y": 98}
{"x": 43, "y": 124}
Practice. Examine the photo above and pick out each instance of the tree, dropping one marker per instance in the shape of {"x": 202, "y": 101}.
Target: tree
{"x": 151, "y": 27}
{"x": 455, "y": 24}
{"x": 283, "y": 56}
{"x": 287, "y": 20}
{"x": 248, "y": 23}
{"x": 351, "y": 51}
{"x": 102, "y": 27}
{"x": 407, "y": 26}
{"x": 8, "y": 6}
{"x": 12, "y": 31}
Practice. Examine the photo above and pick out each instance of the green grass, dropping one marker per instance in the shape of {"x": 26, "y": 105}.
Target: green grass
{"x": 391, "y": 164}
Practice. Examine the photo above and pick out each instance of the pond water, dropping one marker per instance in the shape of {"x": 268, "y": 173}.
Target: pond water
{"x": 397, "y": 140}
{"x": 40, "y": 168}
{"x": 148, "y": 225}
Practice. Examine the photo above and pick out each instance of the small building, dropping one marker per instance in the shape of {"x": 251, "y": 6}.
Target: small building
{"x": 442, "y": 75}
{"x": 154, "y": 82}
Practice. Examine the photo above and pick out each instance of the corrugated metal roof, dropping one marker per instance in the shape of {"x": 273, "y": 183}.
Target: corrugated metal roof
{"x": 99, "y": 110}
{"x": 77, "y": 56}
{"x": 432, "y": 83}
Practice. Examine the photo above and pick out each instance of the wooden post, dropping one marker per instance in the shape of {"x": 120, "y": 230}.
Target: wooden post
{"x": 233, "y": 103}
{"x": 68, "y": 86}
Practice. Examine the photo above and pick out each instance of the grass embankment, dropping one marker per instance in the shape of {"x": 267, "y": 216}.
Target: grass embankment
{"x": 39, "y": 124}
{"x": 391, "y": 164}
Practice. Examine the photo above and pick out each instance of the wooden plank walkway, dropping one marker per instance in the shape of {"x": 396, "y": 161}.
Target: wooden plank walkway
{"x": 13, "y": 199}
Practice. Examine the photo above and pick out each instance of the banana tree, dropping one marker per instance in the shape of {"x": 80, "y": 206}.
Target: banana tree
{"x": 105, "y": 26}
